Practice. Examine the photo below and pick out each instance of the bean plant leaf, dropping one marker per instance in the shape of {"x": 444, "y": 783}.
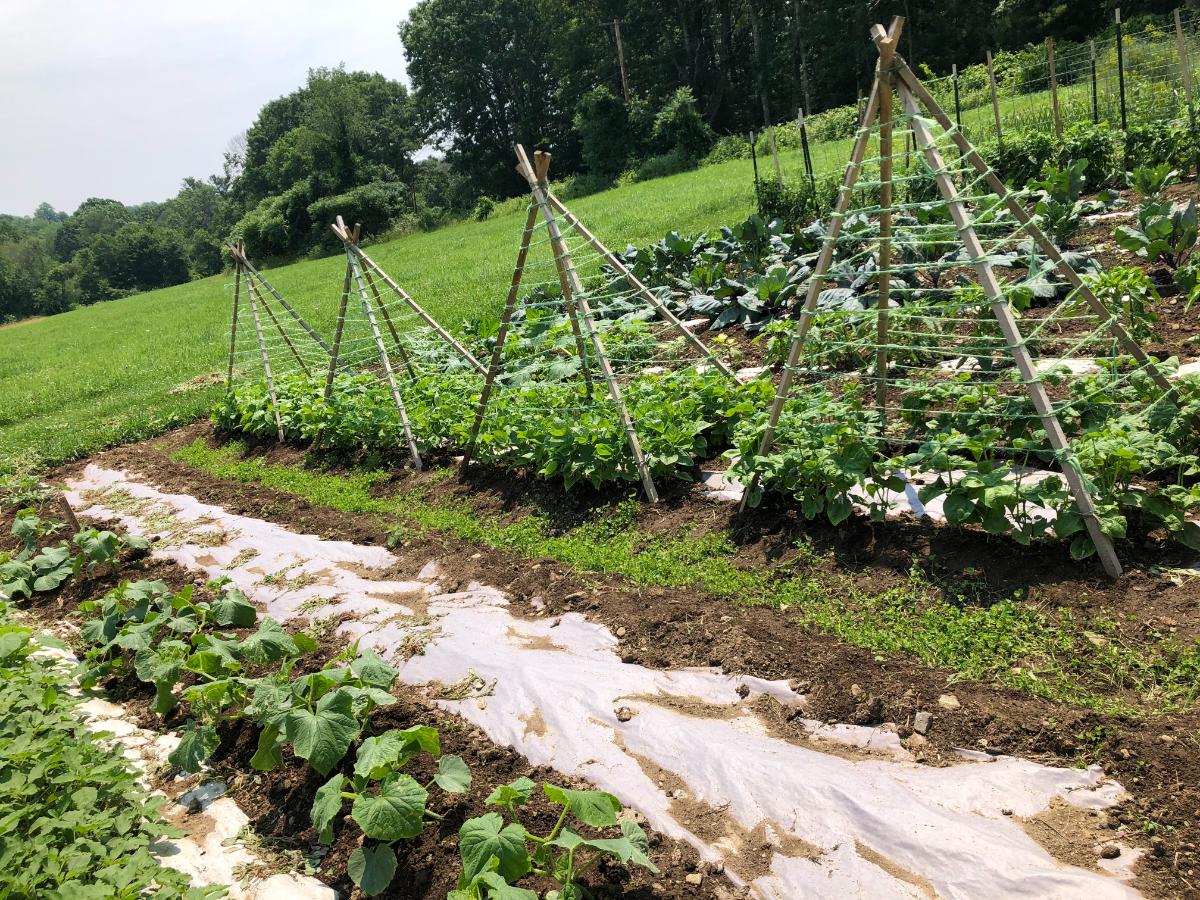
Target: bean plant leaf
{"x": 232, "y": 609}
{"x": 197, "y": 745}
{"x": 487, "y": 837}
{"x": 372, "y": 868}
{"x": 596, "y": 808}
{"x": 324, "y": 736}
{"x": 453, "y": 776}
{"x": 326, "y": 805}
{"x": 396, "y": 812}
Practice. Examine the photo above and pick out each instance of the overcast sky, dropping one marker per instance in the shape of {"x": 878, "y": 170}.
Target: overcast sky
{"x": 124, "y": 98}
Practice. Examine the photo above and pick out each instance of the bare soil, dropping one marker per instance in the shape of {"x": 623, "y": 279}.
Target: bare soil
{"x": 1155, "y": 758}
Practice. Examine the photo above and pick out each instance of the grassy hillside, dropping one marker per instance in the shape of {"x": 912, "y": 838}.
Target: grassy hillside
{"x": 75, "y": 382}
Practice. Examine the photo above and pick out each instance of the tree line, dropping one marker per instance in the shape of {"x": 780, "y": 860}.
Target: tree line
{"x": 487, "y": 74}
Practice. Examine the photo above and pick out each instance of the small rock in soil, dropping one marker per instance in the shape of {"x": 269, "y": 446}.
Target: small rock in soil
{"x": 1006, "y": 812}
{"x": 869, "y": 712}
{"x": 621, "y": 631}
{"x": 694, "y": 878}
{"x": 624, "y": 714}
{"x": 1110, "y": 851}
{"x": 921, "y": 721}
{"x": 855, "y": 691}
{"x": 948, "y": 701}
{"x": 1166, "y": 739}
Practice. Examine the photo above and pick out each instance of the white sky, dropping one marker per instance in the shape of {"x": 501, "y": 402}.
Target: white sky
{"x": 124, "y": 98}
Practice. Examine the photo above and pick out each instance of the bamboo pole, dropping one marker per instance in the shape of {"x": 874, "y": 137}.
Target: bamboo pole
{"x": 266, "y": 360}
{"x": 383, "y": 354}
{"x": 906, "y": 75}
{"x": 885, "y": 225}
{"x": 646, "y": 294}
{"x": 237, "y": 289}
{"x": 1054, "y": 88}
{"x": 278, "y": 296}
{"x": 501, "y": 336}
{"x": 538, "y": 185}
{"x": 337, "y": 334}
{"x": 370, "y": 264}
{"x": 250, "y": 286}
{"x": 819, "y": 272}
{"x": 995, "y": 102}
{"x": 1012, "y": 335}
{"x": 400, "y": 351}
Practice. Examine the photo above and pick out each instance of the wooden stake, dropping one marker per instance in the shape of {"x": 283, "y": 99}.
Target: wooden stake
{"x": 250, "y": 286}
{"x": 501, "y": 336}
{"x": 995, "y": 102}
{"x": 818, "y": 277}
{"x": 621, "y": 59}
{"x": 1054, "y": 88}
{"x": 237, "y": 289}
{"x": 885, "y": 221}
{"x": 266, "y": 361}
{"x": 1012, "y": 335}
{"x": 905, "y": 74}
{"x": 337, "y": 334}
{"x": 400, "y": 351}
{"x": 383, "y": 355}
{"x": 644, "y": 292}
{"x": 240, "y": 255}
{"x": 69, "y": 513}
{"x": 1185, "y": 71}
{"x": 614, "y": 389}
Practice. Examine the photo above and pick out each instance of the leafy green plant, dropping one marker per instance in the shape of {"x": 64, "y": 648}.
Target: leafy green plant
{"x": 496, "y": 854}
{"x": 1151, "y": 181}
{"x": 1130, "y": 292}
{"x": 321, "y": 714}
{"x": 1165, "y": 232}
{"x": 77, "y": 821}
{"x": 388, "y": 804}
{"x": 1059, "y": 209}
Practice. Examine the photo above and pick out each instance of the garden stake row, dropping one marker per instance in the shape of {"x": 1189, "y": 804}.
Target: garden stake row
{"x": 894, "y": 76}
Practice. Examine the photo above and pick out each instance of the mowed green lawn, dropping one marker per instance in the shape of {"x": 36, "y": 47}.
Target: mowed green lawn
{"x": 109, "y": 373}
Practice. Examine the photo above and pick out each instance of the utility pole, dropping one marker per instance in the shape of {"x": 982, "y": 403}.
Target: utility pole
{"x": 616, "y": 23}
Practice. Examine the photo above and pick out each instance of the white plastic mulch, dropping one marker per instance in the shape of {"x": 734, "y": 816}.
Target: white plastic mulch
{"x": 848, "y": 813}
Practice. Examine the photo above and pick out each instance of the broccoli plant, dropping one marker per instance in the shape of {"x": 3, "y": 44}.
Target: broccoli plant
{"x": 387, "y": 803}
{"x": 496, "y": 855}
{"x": 1165, "y": 232}
{"x": 1151, "y": 181}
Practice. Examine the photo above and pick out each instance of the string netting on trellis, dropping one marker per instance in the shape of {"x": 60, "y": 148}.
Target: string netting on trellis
{"x": 921, "y": 406}
{"x": 271, "y": 348}
{"x": 555, "y": 410}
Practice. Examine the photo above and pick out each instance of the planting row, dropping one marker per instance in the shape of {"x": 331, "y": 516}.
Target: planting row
{"x": 210, "y": 659}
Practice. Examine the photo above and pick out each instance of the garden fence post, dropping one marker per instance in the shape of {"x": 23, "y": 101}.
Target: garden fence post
{"x": 571, "y": 283}
{"x": 266, "y": 360}
{"x": 1095, "y": 97}
{"x": 995, "y": 101}
{"x": 957, "y": 98}
{"x": 1132, "y": 347}
{"x": 1121, "y": 69}
{"x": 237, "y": 289}
{"x": 853, "y": 168}
{"x": 1012, "y": 336}
{"x": 808, "y": 163}
{"x": 1054, "y": 88}
{"x": 350, "y": 239}
{"x": 338, "y": 330}
{"x": 754, "y": 163}
{"x": 634, "y": 282}
{"x": 501, "y": 336}
{"x": 1185, "y": 70}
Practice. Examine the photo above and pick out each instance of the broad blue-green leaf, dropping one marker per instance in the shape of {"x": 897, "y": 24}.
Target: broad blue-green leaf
{"x": 485, "y": 837}
{"x": 372, "y": 868}
{"x": 396, "y": 812}
{"x": 324, "y": 736}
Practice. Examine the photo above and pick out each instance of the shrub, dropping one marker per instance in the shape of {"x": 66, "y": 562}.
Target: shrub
{"x": 660, "y": 166}
{"x": 602, "y": 122}
{"x": 731, "y": 146}
{"x": 833, "y": 124}
{"x": 376, "y": 206}
{"x": 679, "y": 127}
{"x": 484, "y": 207}
{"x": 278, "y": 225}
{"x": 1152, "y": 145}
{"x": 796, "y": 203}
{"x": 1021, "y": 157}
{"x": 1098, "y": 145}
